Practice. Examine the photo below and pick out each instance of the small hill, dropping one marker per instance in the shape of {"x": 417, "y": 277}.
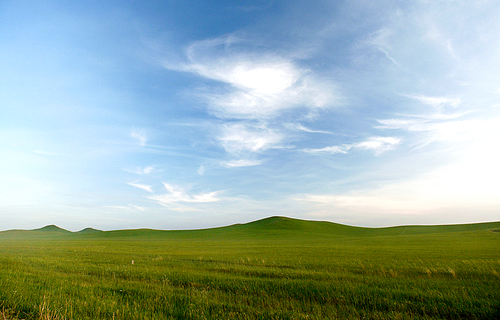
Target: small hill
{"x": 285, "y": 223}
{"x": 283, "y": 227}
{"x": 89, "y": 231}
{"x": 47, "y": 232}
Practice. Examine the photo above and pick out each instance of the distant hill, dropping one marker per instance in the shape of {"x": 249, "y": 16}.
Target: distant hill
{"x": 51, "y": 228}
{"x": 272, "y": 227}
{"x": 286, "y": 225}
{"x": 89, "y": 231}
{"x": 47, "y": 232}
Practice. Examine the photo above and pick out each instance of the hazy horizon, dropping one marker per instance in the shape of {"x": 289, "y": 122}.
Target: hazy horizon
{"x": 186, "y": 115}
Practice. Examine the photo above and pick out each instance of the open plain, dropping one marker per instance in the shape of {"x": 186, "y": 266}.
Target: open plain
{"x": 275, "y": 268}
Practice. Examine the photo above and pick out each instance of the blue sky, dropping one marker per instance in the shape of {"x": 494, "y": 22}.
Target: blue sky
{"x": 193, "y": 114}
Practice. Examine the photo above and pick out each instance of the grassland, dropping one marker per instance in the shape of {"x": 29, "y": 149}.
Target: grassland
{"x": 276, "y": 268}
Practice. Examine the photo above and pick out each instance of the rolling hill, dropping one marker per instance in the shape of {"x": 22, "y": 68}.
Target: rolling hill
{"x": 272, "y": 227}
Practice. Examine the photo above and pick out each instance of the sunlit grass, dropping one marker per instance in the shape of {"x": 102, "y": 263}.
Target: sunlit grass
{"x": 252, "y": 272}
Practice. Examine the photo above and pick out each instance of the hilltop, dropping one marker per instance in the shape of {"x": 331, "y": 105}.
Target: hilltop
{"x": 89, "y": 230}
{"x": 52, "y": 228}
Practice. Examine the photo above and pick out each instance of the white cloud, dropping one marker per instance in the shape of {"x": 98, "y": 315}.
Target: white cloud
{"x": 417, "y": 123}
{"x": 141, "y": 171}
{"x": 138, "y": 208}
{"x": 241, "y": 137}
{"x": 253, "y": 104}
{"x": 377, "y": 144}
{"x": 141, "y": 186}
{"x": 44, "y": 153}
{"x": 263, "y": 74}
{"x": 261, "y": 78}
{"x": 240, "y": 163}
{"x": 130, "y": 207}
{"x": 298, "y": 126}
{"x": 147, "y": 170}
{"x": 437, "y": 102}
{"x": 331, "y": 150}
{"x": 457, "y": 131}
{"x": 177, "y": 196}
{"x": 381, "y": 40}
{"x": 140, "y": 135}
{"x": 261, "y": 84}
{"x": 255, "y": 86}
{"x": 201, "y": 170}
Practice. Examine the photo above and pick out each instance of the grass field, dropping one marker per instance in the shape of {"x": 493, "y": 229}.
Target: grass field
{"x": 276, "y": 268}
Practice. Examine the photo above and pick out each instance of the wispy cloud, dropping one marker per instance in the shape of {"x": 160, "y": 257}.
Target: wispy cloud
{"x": 423, "y": 122}
{"x": 437, "y": 102}
{"x": 141, "y": 186}
{"x": 440, "y": 125}
{"x": 254, "y": 86}
{"x": 141, "y": 171}
{"x": 201, "y": 170}
{"x": 300, "y": 127}
{"x": 138, "y": 208}
{"x": 381, "y": 40}
{"x": 177, "y": 196}
{"x": 260, "y": 84}
{"x": 456, "y": 133}
{"x": 242, "y": 137}
{"x": 330, "y": 150}
{"x": 240, "y": 163}
{"x": 140, "y": 135}
{"x": 377, "y": 144}
{"x": 130, "y": 207}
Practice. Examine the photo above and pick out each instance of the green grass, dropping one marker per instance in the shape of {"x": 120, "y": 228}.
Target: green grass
{"x": 276, "y": 268}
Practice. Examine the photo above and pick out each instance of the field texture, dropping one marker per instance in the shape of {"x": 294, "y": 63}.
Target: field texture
{"x": 276, "y": 268}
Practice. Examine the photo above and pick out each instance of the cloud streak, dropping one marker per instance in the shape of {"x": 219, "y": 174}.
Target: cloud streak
{"x": 141, "y": 186}
{"x": 437, "y": 102}
{"x": 141, "y": 171}
{"x": 140, "y": 135}
{"x": 176, "y": 198}
{"x": 130, "y": 207}
{"x": 298, "y": 126}
{"x": 240, "y": 163}
{"x": 378, "y": 145}
{"x": 240, "y": 138}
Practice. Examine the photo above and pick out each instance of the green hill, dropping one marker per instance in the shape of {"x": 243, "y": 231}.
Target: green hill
{"x": 51, "y": 228}
{"x": 268, "y": 228}
{"x": 283, "y": 226}
{"x": 89, "y": 231}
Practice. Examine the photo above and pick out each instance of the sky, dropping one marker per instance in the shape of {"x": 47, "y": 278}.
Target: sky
{"x": 195, "y": 114}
